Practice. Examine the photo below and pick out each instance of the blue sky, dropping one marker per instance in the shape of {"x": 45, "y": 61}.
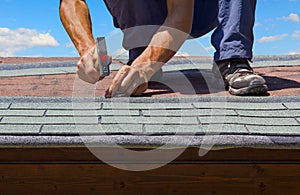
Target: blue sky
{"x": 33, "y": 28}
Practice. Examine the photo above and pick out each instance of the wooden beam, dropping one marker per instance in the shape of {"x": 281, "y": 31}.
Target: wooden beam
{"x": 170, "y": 179}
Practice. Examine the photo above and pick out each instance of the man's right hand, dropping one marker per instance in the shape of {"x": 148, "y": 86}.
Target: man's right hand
{"x": 87, "y": 66}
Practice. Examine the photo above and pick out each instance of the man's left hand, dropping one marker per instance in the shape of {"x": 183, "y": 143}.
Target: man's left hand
{"x": 129, "y": 81}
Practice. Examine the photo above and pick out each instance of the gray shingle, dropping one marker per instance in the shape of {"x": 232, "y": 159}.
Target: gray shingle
{"x": 91, "y": 129}
{"x": 293, "y": 105}
{"x": 49, "y": 120}
{"x": 273, "y": 113}
{"x": 240, "y": 106}
{"x": 298, "y": 120}
{"x": 22, "y": 112}
{"x": 154, "y": 106}
{"x": 274, "y": 130}
{"x": 57, "y": 106}
{"x": 149, "y": 120}
{"x": 92, "y": 113}
{"x": 249, "y": 120}
{"x": 196, "y": 129}
{"x": 67, "y": 129}
{"x": 132, "y": 128}
{"x": 4, "y": 105}
{"x": 19, "y": 129}
{"x": 225, "y": 129}
{"x": 190, "y": 112}
{"x": 178, "y": 129}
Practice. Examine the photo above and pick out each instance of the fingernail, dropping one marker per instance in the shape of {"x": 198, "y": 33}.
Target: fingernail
{"x": 107, "y": 94}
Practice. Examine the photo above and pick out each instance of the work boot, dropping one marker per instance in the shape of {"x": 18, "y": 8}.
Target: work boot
{"x": 239, "y": 77}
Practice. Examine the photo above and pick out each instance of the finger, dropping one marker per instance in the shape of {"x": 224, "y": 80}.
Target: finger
{"x": 80, "y": 63}
{"x": 96, "y": 65}
{"x": 114, "y": 87}
{"x": 131, "y": 83}
{"x": 129, "y": 80}
{"x": 109, "y": 58}
{"x": 138, "y": 91}
{"x": 92, "y": 77}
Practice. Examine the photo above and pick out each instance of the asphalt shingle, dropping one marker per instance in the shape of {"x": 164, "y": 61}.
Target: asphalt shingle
{"x": 19, "y": 129}
{"x": 249, "y": 121}
{"x": 22, "y": 112}
{"x": 146, "y": 106}
{"x": 239, "y": 106}
{"x": 274, "y": 130}
{"x": 4, "y": 105}
{"x": 56, "y": 106}
{"x": 92, "y": 113}
{"x": 49, "y": 120}
{"x": 293, "y": 105}
{"x": 196, "y": 129}
{"x": 173, "y": 129}
{"x": 192, "y": 118}
{"x": 298, "y": 120}
{"x": 246, "y": 123}
{"x": 149, "y": 120}
{"x": 91, "y": 129}
{"x": 273, "y": 113}
{"x": 189, "y": 112}
{"x": 66, "y": 129}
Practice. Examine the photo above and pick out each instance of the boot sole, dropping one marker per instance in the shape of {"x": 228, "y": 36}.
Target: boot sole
{"x": 250, "y": 90}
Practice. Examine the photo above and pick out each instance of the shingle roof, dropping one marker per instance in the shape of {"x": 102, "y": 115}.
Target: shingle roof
{"x": 222, "y": 121}
{"x": 226, "y": 121}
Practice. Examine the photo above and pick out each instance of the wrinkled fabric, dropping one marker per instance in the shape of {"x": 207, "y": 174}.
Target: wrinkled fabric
{"x": 233, "y": 21}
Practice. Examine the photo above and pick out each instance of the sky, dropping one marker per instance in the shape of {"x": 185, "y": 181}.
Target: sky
{"x": 33, "y": 28}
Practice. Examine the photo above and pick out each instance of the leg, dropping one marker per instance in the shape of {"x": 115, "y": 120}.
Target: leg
{"x": 233, "y": 41}
{"x": 233, "y": 37}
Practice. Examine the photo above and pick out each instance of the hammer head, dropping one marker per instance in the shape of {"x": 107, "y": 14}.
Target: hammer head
{"x": 104, "y": 60}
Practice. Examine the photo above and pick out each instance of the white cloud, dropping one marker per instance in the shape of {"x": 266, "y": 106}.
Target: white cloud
{"x": 69, "y": 45}
{"x": 257, "y": 24}
{"x": 294, "y": 53}
{"x": 292, "y": 17}
{"x": 22, "y": 39}
{"x": 296, "y": 34}
{"x": 272, "y": 38}
{"x": 182, "y": 54}
{"x": 208, "y": 49}
{"x": 120, "y": 53}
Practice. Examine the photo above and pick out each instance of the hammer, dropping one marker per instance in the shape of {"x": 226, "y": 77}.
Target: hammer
{"x": 104, "y": 59}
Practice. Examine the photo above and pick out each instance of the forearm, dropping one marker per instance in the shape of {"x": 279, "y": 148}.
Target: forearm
{"x": 161, "y": 49}
{"x": 168, "y": 39}
{"x": 75, "y": 18}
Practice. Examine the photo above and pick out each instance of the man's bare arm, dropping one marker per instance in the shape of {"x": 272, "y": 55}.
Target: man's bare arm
{"x": 75, "y": 17}
{"x": 163, "y": 46}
